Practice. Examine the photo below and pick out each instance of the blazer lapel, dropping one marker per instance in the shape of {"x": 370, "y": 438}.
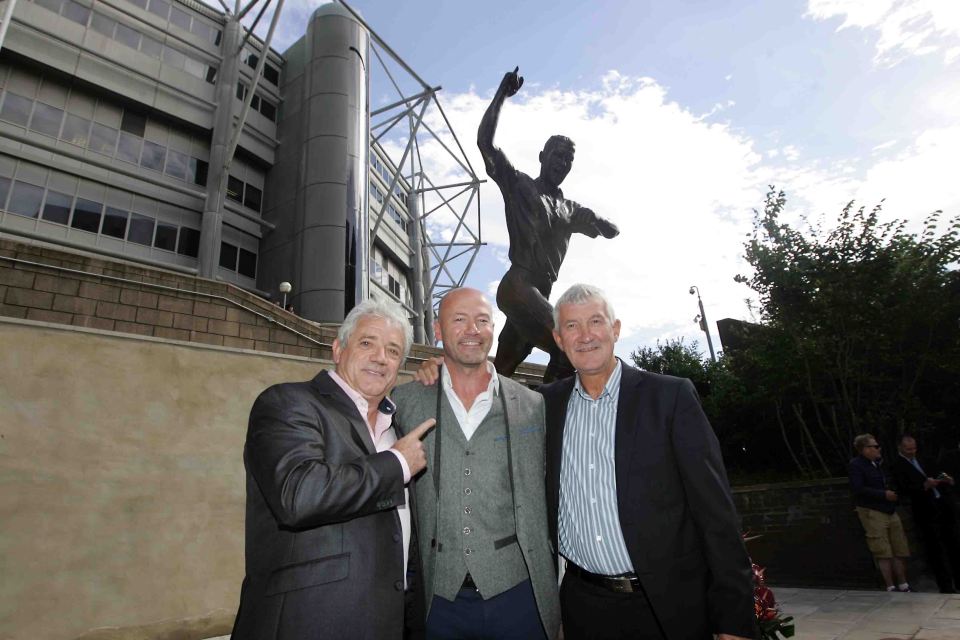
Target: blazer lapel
{"x": 556, "y": 409}
{"x": 628, "y": 413}
{"x": 358, "y": 432}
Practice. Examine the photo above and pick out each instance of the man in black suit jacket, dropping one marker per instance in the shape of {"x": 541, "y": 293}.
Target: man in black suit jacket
{"x": 327, "y": 526}
{"x": 931, "y": 501}
{"x": 637, "y": 492}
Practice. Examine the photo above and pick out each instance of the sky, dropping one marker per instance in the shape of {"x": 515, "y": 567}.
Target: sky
{"x": 683, "y": 113}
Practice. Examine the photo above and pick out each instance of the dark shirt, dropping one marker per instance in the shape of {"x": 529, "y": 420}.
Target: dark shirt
{"x": 869, "y": 486}
{"x": 539, "y": 224}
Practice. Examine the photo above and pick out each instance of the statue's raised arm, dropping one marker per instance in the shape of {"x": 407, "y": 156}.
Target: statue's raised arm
{"x": 509, "y": 86}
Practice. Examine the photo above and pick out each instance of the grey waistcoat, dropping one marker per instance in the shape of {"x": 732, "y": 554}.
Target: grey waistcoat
{"x": 476, "y": 530}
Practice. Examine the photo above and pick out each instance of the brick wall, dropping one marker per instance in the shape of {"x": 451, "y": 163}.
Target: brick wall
{"x": 810, "y": 536}
{"x": 45, "y": 283}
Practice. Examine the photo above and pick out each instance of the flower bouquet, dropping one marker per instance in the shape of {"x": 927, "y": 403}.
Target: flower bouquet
{"x": 772, "y": 625}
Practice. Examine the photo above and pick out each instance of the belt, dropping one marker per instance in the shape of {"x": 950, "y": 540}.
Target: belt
{"x": 627, "y": 583}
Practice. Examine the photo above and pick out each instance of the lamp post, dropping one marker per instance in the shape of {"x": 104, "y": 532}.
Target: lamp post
{"x": 285, "y": 288}
{"x": 702, "y": 319}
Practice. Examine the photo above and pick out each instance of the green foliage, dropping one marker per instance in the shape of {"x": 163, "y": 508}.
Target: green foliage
{"x": 858, "y": 332}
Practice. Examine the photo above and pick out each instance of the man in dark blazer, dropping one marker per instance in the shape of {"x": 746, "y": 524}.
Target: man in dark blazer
{"x": 637, "y": 496}
{"x": 934, "y": 514}
{"x": 327, "y": 526}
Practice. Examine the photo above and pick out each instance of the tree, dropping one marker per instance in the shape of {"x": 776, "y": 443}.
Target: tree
{"x": 858, "y": 331}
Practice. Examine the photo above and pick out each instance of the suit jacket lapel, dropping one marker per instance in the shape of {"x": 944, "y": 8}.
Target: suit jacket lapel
{"x": 359, "y": 431}
{"x": 628, "y": 413}
{"x": 556, "y": 419}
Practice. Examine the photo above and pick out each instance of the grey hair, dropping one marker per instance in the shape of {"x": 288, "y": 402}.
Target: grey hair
{"x": 580, "y": 294}
{"x": 390, "y": 311}
{"x": 860, "y": 442}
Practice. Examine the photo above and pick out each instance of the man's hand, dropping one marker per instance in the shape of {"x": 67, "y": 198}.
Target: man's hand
{"x": 930, "y": 483}
{"x": 429, "y": 371}
{"x": 727, "y": 636}
{"x": 606, "y": 228}
{"x": 410, "y": 447}
{"x": 511, "y": 83}
{"x": 891, "y": 496}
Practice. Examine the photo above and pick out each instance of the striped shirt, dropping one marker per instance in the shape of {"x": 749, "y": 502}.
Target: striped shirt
{"x": 589, "y": 525}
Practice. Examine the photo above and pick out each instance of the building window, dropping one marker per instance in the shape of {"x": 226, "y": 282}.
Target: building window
{"x": 16, "y": 109}
{"x": 76, "y": 12}
{"x": 4, "y": 191}
{"x": 235, "y": 189}
{"x": 189, "y": 242}
{"x": 394, "y": 286}
{"x": 141, "y": 229}
{"x": 86, "y": 215}
{"x": 252, "y": 197}
{"x": 114, "y": 223}
{"x": 166, "y": 237}
{"x": 128, "y": 148}
{"x": 153, "y": 156}
{"x": 133, "y": 122}
{"x": 271, "y": 74}
{"x": 247, "y": 264}
{"x": 46, "y": 119}
{"x": 103, "y": 139}
{"x": 76, "y": 130}
{"x": 25, "y": 199}
{"x": 228, "y": 256}
{"x": 56, "y": 208}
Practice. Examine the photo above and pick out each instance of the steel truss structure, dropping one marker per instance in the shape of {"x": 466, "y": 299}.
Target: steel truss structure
{"x": 445, "y": 234}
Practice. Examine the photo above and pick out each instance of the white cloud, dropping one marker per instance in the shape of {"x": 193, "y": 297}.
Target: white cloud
{"x": 904, "y": 27}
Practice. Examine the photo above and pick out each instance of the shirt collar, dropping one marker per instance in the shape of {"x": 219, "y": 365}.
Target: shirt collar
{"x": 386, "y": 406}
{"x": 611, "y": 387}
{"x": 493, "y": 388}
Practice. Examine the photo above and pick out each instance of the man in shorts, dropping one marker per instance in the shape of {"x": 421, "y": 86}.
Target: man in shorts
{"x": 877, "y": 510}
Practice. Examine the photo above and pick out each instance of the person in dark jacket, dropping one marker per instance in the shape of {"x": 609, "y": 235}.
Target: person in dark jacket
{"x": 876, "y": 506}
{"x": 934, "y": 514}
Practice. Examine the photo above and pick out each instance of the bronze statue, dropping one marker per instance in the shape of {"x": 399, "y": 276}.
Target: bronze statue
{"x": 540, "y": 221}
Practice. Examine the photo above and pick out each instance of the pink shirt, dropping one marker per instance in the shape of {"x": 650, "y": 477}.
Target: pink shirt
{"x": 383, "y": 438}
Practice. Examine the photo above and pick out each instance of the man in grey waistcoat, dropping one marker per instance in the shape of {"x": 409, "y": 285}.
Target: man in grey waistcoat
{"x": 487, "y": 561}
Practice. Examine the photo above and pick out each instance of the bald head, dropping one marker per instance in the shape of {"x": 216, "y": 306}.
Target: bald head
{"x": 465, "y": 326}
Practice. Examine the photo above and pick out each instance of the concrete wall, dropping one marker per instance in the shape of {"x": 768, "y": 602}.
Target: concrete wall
{"x": 123, "y": 490}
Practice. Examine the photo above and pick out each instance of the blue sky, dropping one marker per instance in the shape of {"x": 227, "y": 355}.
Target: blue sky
{"x": 683, "y": 113}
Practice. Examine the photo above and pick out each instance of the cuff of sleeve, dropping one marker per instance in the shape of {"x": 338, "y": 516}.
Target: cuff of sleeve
{"x": 403, "y": 465}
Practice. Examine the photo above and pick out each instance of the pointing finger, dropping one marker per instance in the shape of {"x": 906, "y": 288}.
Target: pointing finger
{"x": 422, "y": 429}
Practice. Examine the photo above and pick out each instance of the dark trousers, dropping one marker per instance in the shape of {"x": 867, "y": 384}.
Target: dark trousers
{"x": 512, "y": 615}
{"x": 591, "y": 612}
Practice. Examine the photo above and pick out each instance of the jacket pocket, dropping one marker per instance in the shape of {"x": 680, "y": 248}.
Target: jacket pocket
{"x": 309, "y": 574}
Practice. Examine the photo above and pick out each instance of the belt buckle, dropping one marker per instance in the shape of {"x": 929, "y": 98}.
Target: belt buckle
{"x": 621, "y": 585}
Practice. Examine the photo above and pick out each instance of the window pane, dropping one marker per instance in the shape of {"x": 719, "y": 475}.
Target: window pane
{"x": 177, "y": 164}
{"x": 271, "y": 74}
{"x": 252, "y": 198}
{"x": 173, "y": 57}
{"x": 126, "y": 35}
{"x": 52, "y": 5}
{"x": 255, "y": 103}
{"x": 4, "y": 191}
{"x": 76, "y": 12}
{"x": 57, "y": 207}
{"x": 269, "y": 111}
{"x": 76, "y": 130}
{"x": 189, "y": 242}
{"x": 235, "y": 189}
{"x": 150, "y": 47}
{"x": 25, "y": 199}
{"x": 247, "y": 265}
{"x": 199, "y": 169}
{"x": 141, "y": 229}
{"x": 211, "y": 75}
{"x": 128, "y": 149}
{"x": 159, "y": 7}
{"x": 217, "y": 35}
{"x": 241, "y": 91}
{"x": 16, "y": 109}
{"x": 103, "y": 139}
{"x": 166, "y": 237}
{"x": 86, "y": 215}
{"x": 133, "y": 122}
{"x": 114, "y": 223}
{"x": 202, "y": 29}
{"x": 46, "y": 119}
{"x": 180, "y": 18}
{"x": 252, "y": 59}
{"x": 228, "y": 256}
{"x": 153, "y": 156}
{"x": 102, "y": 24}
{"x": 195, "y": 68}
